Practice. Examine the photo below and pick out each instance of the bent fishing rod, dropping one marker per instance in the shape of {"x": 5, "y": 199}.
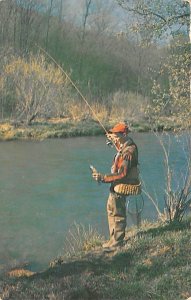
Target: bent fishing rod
{"x": 74, "y": 85}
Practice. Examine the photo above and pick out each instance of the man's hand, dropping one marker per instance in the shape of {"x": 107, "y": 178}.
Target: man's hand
{"x": 112, "y": 137}
{"x": 98, "y": 177}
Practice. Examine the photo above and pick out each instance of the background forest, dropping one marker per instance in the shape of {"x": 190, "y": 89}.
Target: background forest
{"x": 130, "y": 59}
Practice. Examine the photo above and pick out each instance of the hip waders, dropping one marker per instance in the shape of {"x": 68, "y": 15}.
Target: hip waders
{"x": 116, "y": 211}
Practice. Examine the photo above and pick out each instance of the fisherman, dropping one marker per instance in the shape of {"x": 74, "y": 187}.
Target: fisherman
{"x": 124, "y": 179}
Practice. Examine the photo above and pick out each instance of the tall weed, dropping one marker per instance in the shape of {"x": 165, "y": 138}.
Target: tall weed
{"x": 127, "y": 105}
{"x": 81, "y": 238}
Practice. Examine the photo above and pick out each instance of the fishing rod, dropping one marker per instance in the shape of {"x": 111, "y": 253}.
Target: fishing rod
{"x": 74, "y": 85}
{"x": 77, "y": 89}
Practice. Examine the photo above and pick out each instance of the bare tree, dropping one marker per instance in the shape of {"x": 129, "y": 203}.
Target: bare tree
{"x": 18, "y": 22}
{"x": 60, "y": 14}
{"x": 177, "y": 191}
{"x": 87, "y": 5}
{"x": 160, "y": 17}
{"x": 7, "y": 11}
{"x": 26, "y": 10}
{"x": 177, "y": 199}
{"x": 34, "y": 86}
{"x": 103, "y": 19}
{"x": 48, "y": 23}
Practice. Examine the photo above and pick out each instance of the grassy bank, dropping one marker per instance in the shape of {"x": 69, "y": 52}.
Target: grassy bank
{"x": 154, "y": 264}
{"x": 56, "y": 128}
{"x": 49, "y": 129}
{"x": 63, "y": 128}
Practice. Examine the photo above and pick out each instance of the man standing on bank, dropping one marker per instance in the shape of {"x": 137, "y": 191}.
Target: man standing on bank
{"x": 124, "y": 179}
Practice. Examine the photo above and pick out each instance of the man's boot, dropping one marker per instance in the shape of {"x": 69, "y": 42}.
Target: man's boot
{"x": 117, "y": 232}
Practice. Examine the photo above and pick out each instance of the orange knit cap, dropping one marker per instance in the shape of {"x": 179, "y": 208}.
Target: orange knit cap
{"x": 120, "y": 128}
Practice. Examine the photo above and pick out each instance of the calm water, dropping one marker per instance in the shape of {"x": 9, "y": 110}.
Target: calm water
{"x": 46, "y": 186}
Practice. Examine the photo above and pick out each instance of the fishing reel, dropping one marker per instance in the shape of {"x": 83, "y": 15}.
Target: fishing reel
{"x": 109, "y": 143}
{"x": 110, "y": 140}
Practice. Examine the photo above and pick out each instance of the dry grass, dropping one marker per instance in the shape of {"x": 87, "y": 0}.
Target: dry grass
{"x": 5, "y": 127}
{"x": 101, "y": 111}
{"x": 20, "y": 273}
{"x": 81, "y": 239}
{"x": 127, "y": 105}
{"x": 77, "y": 110}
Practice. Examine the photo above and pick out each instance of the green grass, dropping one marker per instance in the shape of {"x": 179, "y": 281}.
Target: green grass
{"x": 154, "y": 264}
{"x": 43, "y": 130}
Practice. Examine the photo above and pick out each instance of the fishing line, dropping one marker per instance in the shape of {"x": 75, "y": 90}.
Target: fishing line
{"x": 134, "y": 206}
{"x": 77, "y": 89}
{"x": 141, "y": 203}
{"x": 74, "y": 85}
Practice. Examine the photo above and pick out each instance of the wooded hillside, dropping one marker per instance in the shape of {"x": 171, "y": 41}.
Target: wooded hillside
{"x": 114, "y": 68}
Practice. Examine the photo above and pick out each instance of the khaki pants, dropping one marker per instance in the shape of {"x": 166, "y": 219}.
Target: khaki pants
{"x": 116, "y": 211}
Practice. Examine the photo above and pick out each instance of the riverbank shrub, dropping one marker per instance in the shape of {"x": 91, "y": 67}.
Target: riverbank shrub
{"x": 79, "y": 239}
{"x": 171, "y": 97}
{"x": 127, "y": 105}
{"x": 177, "y": 190}
{"x": 32, "y": 87}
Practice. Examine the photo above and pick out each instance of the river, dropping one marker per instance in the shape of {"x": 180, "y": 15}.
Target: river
{"x": 46, "y": 186}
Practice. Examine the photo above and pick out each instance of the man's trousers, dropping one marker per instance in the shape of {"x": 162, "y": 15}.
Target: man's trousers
{"x": 116, "y": 211}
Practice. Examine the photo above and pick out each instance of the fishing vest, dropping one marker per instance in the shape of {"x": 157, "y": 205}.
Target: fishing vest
{"x": 130, "y": 184}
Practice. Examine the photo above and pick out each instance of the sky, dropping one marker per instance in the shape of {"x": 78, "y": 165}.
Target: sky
{"x": 107, "y": 10}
